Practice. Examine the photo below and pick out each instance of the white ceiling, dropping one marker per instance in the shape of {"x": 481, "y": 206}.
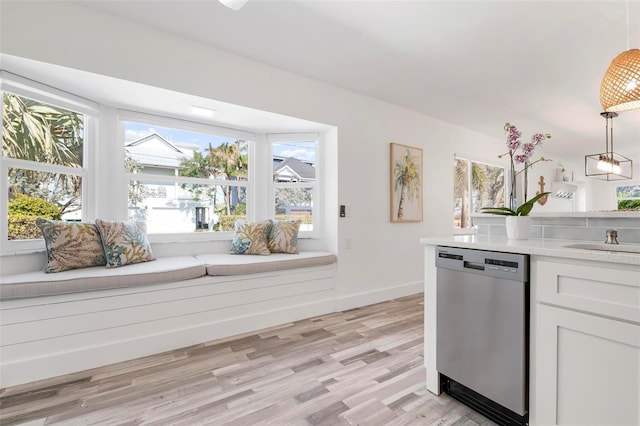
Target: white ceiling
{"x": 477, "y": 64}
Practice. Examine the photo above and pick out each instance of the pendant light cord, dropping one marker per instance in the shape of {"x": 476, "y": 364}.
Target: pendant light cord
{"x": 628, "y": 28}
{"x": 611, "y": 130}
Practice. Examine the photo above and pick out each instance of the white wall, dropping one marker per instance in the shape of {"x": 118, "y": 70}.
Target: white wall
{"x": 385, "y": 259}
{"x": 602, "y": 195}
{"x": 547, "y": 169}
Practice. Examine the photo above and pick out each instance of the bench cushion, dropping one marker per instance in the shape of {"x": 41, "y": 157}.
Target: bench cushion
{"x": 233, "y": 264}
{"x": 39, "y": 283}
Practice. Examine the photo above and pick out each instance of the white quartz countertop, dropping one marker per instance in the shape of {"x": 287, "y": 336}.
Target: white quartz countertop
{"x": 540, "y": 247}
{"x": 614, "y": 214}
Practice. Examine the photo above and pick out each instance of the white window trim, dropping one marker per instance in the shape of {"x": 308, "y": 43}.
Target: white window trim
{"x": 42, "y": 93}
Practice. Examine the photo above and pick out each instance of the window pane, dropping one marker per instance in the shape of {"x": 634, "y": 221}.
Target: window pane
{"x": 628, "y": 197}
{"x": 172, "y": 208}
{"x": 295, "y": 203}
{"x": 476, "y": 185}
{"x": 487, "y": 184}
{"x": 294, "y": 161}
{"x": 35, "y": 194}
{"x": 175, "y": 152}
{"x": 40, "y": 132}
{"x": 461, "y": 193}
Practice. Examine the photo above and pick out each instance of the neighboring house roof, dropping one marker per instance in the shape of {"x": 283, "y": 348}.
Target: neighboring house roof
{"x": 293, "y": 168}
{"x": 154, "y": 150}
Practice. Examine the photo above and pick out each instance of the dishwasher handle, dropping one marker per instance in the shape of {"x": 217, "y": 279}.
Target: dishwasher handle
{"x": 451, "y": 256}
{"x": 473, "y": 265}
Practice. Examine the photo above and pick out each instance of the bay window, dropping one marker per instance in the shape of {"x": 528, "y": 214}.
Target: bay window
{"x": 175, "y": 175}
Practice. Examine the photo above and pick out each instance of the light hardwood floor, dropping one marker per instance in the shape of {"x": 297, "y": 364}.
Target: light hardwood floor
{"x": 359, "y": 367}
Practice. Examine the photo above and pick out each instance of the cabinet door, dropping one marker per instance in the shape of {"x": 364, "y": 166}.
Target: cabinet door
{"x": 588, "y": 369}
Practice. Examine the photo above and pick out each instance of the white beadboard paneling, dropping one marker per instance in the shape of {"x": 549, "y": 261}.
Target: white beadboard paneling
{"x": 59, "y": 360}
{"x": 21, "y": 310}
{"x": 48, "y": 336}
{"x": 138, "y": 327}
{"x": 211, "y": 304}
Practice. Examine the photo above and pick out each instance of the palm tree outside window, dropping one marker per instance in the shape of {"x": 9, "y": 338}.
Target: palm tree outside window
{"x": 476, "y": 185}
{"x": 43, "y": 155}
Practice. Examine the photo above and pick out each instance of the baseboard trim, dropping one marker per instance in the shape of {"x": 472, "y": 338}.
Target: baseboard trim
{"x": 369, "y": 298}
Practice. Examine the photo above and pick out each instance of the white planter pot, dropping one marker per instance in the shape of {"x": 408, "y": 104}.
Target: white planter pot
{"x": 518, "y": 227}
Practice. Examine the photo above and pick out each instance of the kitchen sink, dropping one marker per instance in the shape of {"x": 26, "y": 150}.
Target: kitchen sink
{"x": 620, "y": 248}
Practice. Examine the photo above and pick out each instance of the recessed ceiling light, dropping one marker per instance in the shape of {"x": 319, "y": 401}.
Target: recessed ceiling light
{"x": 201, "y": 111}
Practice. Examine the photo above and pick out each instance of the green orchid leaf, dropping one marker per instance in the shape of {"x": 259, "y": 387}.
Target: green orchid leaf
{"x": 502, "y": 211}
{"x": 525, "y": 208}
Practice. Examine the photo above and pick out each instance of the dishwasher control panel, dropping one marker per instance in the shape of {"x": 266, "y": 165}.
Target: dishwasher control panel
{"x": 512, "y": 266}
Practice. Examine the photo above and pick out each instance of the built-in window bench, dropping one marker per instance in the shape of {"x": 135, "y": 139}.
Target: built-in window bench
{"x": 53, "y": 324}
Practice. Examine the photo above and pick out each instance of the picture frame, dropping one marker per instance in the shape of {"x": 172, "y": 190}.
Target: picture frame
{"x": 406, "y": 180}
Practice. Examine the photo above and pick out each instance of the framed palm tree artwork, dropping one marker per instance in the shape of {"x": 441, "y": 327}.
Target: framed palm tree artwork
{"x": 406, "y": 183}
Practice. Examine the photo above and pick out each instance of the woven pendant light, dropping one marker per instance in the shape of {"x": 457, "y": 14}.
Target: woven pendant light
{"x": 620, "y": 88}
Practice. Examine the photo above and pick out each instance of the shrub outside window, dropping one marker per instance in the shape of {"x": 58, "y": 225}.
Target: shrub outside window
{"x": 628, "y": 197}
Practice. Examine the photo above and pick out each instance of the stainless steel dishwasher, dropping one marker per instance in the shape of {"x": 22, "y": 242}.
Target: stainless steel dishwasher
{"x": 482, "y": 331}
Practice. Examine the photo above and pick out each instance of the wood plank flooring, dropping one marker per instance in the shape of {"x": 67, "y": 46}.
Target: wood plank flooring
{"x": 359, "y": 367}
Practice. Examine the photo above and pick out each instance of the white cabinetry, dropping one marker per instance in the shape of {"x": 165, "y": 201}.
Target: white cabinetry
{"x": 587, "y": 342}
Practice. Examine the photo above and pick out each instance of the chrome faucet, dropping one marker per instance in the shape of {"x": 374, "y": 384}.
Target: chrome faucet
{"x": 612, "y": 237}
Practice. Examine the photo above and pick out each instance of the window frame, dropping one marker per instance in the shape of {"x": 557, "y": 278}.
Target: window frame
{"x": 470, "y": 160}
{"x": 619, "y": 185}
{"x": 277, "y": 138}
{"x": 193, "y": 126}
{"x": 23, "y": 87}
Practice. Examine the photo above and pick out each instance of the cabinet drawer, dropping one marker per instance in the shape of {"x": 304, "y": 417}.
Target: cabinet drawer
{"x": 611, "y": 290}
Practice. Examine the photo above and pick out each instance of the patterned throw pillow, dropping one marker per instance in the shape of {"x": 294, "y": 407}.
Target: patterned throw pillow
{"x": 283, "y": 237}
{"x": 251, "y": 237}
{"x": 124, "y": 242}
{"x": 70, "y": 245}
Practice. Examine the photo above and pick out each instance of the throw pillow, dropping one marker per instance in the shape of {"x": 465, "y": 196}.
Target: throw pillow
{"x": 251, "y": 237}
{"x": 124, "y": 242}
{"x": 283, "y": 237}
{"x": 70, "y": 245}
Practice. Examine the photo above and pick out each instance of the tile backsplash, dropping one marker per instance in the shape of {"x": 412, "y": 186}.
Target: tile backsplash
{"x": 582, "y": 227}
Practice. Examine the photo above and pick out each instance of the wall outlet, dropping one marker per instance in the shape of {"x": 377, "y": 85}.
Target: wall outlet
{"x": 347, "y": 243}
